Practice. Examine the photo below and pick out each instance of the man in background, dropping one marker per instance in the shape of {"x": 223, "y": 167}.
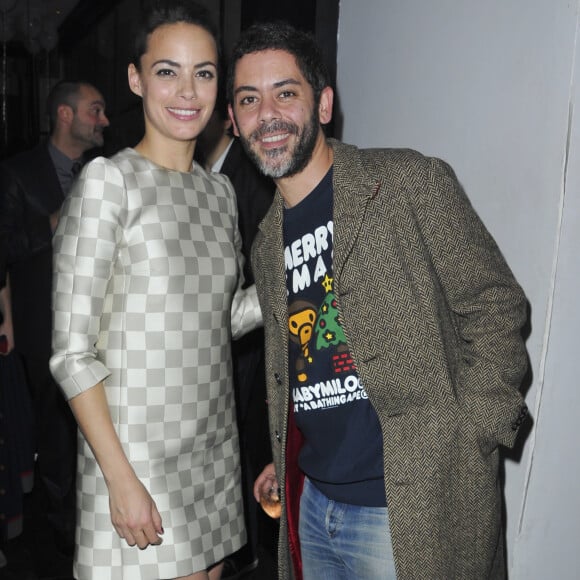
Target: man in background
{"x": 33, "y": 185}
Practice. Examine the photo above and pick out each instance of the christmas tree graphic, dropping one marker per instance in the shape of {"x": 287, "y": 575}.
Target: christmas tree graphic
{"x": 328, "y": 330}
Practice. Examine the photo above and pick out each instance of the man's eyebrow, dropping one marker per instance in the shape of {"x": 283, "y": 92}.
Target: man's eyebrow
{"x": 286, "y": 82}
{"x": 245, "y": 88}
{"x": 276, "y": 85}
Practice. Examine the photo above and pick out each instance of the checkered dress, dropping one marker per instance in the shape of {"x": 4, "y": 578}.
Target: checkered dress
{"x": 146, "y": 296}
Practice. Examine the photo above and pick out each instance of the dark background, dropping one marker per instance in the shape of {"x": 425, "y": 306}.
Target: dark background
{"x": 94, "y": 44}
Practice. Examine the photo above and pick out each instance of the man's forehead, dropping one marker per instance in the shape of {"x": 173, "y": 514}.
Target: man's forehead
{"x": 91, "y": 95}
{"x": 267, "y": 67}
{"x": 268, "y": 60}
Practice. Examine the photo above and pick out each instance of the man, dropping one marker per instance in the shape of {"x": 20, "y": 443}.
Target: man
{"x": 221, "y": 152}
{"x": 33, "y": 185}
{"x": 393, "y": 346}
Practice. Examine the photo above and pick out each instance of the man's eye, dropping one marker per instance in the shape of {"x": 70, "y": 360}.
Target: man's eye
{"x": 247, "y": 100}
{"x": 287, "y": 94}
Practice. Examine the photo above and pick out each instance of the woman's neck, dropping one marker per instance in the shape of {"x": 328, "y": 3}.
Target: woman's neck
{"x": 175, "y": 155}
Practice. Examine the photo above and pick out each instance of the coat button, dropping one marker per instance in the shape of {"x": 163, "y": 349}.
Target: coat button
{"x": 521, "y": 418}
{"x": 278, "y": 379}
{"x": 278, "y": 436}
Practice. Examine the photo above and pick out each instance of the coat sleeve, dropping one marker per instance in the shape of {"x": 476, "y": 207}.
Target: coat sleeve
{"x": 26, "y": 230}
{"x": 488, "y": 306}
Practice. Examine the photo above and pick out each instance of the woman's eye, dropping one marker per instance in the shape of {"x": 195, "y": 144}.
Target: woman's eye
{"x": 206, "y": 74}
{"x": 164, "y": 72}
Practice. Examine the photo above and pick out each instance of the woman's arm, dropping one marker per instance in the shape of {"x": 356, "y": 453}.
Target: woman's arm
{"x": 133, "y": 512}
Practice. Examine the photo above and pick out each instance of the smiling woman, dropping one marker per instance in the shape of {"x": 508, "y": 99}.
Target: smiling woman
{"x": 149, "y": 242}
{"x": 177, "y": 79}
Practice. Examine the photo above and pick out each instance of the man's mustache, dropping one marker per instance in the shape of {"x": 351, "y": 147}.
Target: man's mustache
{"x": 275, "y": 126}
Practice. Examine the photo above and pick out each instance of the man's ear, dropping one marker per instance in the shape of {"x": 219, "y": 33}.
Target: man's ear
{"x": 325, "y": 105}
{"x": 65, "y": 114}
{"x": 233, "y": 120}
{"x": 134, "y": 80}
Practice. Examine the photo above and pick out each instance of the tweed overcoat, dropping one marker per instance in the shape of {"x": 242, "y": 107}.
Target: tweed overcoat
{"x": 433, "y": 317}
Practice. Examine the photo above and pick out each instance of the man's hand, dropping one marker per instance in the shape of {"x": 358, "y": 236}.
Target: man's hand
{"x": 53, "y": 219}
{"x": 6, "y": 328}
{"x": 265, "y": 482}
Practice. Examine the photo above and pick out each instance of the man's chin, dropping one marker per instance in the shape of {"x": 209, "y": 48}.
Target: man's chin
{"x": 274, "y": 164}
{"x": 273, "y": 171}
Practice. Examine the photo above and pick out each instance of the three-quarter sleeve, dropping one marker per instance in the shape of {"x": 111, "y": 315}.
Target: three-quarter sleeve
{"x": 85, "y": 247}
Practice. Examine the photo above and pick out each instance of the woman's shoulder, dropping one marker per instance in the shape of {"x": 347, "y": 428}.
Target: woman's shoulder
{"x": 219, "y": 181}
{"x": 211, "y": 175}
{"x": 119, "y": 160}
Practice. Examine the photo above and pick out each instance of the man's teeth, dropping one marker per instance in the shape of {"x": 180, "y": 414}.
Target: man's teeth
{"x": 275, "y": 138}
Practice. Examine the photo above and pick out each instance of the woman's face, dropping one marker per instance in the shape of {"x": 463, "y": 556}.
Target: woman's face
{"x": 177, "y": 81}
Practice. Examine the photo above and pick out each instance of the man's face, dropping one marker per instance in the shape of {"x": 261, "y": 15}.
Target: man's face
{"x": 89, "y": 119}
{"x": 274, "y": 112}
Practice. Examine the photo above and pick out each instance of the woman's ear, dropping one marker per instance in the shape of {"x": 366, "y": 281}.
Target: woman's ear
{"x": 134, "y": 80}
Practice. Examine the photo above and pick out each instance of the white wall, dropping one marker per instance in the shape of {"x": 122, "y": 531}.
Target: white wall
{"x": 489, "y": 86}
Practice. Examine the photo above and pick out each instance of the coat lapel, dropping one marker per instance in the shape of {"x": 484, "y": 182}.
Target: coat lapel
{"x": 271, "y": 252}
{"x": 353, "y": 190}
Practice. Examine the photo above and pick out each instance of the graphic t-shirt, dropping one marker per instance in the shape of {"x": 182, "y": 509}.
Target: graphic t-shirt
{"x": 342, "y": 453}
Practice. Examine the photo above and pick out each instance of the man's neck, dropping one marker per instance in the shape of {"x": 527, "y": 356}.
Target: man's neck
{"x": 71, "y": 149}
{"x": 295, "y": 188}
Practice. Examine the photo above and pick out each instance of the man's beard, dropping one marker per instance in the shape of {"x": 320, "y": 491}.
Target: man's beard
{"x": 89, "y": 138}
{"x": 289, "y": 162}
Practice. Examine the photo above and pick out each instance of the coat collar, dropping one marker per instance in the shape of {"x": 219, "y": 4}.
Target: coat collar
{"x": 354, "y": 187}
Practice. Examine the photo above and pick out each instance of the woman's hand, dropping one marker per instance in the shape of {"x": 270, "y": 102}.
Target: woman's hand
{"x": 134, "y": 514}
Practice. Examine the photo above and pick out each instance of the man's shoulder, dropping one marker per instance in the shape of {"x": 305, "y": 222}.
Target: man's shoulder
{"x": 31, "y": 170}
{"x": 399, "y": 166}
{"x": 22, "y": 160}
{"x": 347, "y": 153}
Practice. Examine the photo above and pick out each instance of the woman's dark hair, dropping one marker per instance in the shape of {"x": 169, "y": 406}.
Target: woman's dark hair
{"x": 160, "y": 12}
{"x": 282, "y": 36}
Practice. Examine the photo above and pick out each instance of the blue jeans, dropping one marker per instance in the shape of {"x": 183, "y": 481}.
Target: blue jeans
{"x": 340, "y": 541}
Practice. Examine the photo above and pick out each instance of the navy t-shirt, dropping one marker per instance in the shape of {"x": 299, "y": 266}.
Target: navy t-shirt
{"x": 342, "y": 453}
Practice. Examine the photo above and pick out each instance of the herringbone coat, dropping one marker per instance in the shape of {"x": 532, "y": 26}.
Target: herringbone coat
{"x": 432, "y": 316}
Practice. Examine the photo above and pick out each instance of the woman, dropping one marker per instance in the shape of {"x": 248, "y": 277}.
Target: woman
{"x": 147, "y": 291}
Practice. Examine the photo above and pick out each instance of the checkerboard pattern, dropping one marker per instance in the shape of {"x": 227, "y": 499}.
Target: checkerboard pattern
{"x": 146, "y": 297}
